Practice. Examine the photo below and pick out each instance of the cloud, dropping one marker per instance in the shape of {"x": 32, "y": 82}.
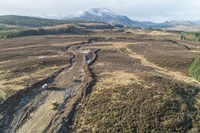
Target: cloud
{"x": 154, "y": 10}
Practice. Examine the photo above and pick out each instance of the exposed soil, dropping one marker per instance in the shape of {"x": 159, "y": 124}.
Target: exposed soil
{"x": 21, "y": 111}
{"x": 113, "y": 81}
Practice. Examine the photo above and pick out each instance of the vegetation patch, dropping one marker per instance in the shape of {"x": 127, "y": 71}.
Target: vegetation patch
{"x": 39, "y": 31}
{"x": 156, "y": 105}
{"x": 172, "y": 55}
{"x": 194, "y": 69}
{"x": 29, "y": 21}
{"x": 190, "y": 36}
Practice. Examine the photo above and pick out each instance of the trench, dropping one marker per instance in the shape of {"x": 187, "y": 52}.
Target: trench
{"x": 17, "y": 109}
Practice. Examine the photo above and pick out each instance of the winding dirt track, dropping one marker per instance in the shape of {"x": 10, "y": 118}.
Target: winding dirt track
{"x": 174, "y": 75}
{"x": 34, "y": 115}
{"x": 43, "y": 115}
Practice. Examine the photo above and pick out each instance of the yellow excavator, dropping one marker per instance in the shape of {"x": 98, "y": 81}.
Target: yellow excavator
{"x": 54, "y": 105}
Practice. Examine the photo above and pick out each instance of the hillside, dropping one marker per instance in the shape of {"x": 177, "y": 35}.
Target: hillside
{"x": 106, "y": 80}
{"x": 96, "y": 15}
{"x": 10, "y": 27}
{"x": 103, "y": 15}
{"x": 54, "y": 30}
{"x": 29, "y": 21}
{"x": 107, "y": 16}
{"x": 32, "y": 21}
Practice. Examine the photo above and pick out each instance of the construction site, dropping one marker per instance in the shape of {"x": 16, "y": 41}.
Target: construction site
{"x": 129, "y": 80}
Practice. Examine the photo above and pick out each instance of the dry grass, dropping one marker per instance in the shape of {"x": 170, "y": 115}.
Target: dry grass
{"x": 154, "y": 34}
{"x": 116, "y": 78}
{"x": 134, "y": 94}
{"x": 145, "y": 103}
{"x": 10, "y": 82}
{"x": 108, "y": 45}
{"x": 27, "y": 60}
{"x": 64, "y": 43}
{"x": 173, "y": 74}
{"x": 176, "y": 75}
{"x": 122, "y": 46}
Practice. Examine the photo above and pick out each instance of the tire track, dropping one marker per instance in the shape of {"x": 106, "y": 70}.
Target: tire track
{"x": 31, "y": 111}
{"x": 44, "y": 115}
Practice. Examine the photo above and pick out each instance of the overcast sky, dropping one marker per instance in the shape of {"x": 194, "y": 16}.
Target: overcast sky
{"x": 148, "y": 10}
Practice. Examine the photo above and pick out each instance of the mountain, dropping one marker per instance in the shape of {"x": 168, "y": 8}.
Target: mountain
{"x": 29, "y": 21}
{"x": 97, "y": 15}
{"x": 106, "y": 15}
{"x": 196, "y": 22}
{"x": 169, "y": 24}
{"x": 103, "y": 15}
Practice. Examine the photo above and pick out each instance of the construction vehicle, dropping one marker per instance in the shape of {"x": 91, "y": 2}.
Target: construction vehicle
{"x": 45, "y": 86}
{"x": 54, "y": 105}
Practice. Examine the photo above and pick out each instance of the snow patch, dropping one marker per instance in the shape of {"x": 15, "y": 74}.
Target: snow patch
{"x": 96, "y": 12}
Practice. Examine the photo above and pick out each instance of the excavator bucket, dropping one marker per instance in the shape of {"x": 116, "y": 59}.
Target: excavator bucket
{"x": 53, "y": 107}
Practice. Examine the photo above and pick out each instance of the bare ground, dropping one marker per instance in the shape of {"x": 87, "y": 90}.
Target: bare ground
{"x": 138, "y": 83}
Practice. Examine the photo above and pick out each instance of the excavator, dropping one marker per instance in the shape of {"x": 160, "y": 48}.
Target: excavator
{"x": 54, "y": 105}
{"x": 47, "y": 86}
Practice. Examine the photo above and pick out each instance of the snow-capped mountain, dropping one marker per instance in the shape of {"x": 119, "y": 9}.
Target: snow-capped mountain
{"x": 97, "y": 12}
{"x": 103, "y": 15}
{"x": 106, "y": 15}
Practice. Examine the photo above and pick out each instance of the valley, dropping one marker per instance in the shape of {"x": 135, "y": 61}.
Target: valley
{"x": 106, "y": 80}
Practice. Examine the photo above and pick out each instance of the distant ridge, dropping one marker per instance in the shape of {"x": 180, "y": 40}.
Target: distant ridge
{"x": 98, "y": 15}
{"x": 108, "y": 16}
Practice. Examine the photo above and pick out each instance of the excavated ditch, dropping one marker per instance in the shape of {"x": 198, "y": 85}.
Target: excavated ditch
{"x": 26, "y": 101}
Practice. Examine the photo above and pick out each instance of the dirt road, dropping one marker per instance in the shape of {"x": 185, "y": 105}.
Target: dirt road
{"x": 33, "y": 112}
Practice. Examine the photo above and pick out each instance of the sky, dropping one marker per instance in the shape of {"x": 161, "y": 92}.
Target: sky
{"x": 142, "y": 10}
